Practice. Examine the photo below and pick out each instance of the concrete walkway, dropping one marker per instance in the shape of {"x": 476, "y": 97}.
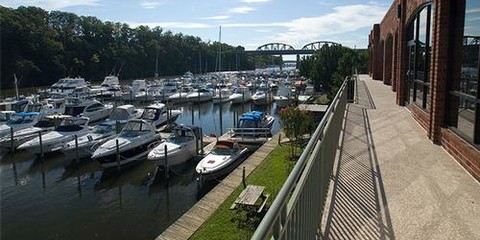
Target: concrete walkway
{"x": 394, "y": 183}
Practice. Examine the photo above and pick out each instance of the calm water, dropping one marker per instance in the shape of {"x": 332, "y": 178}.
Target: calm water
{"x": 61, "y": 199}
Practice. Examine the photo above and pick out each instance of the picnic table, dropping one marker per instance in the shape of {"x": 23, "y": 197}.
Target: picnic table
{"x": 248, "y": 198}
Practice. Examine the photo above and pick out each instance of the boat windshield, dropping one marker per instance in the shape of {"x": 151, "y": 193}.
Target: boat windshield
{"x": 103, "y": 129}
{"x": 69, "y": 128}
{"x": 133, "y": 129}
{"x": 223, "y": 151}
{"x": 74, "y": 110}
{"x": 180, "y": 136}
{"x": 247, "y": 123}
{"x": 150, "y": 114}
{"x": 44, "y": 124}
{"x": 120, "y": 114}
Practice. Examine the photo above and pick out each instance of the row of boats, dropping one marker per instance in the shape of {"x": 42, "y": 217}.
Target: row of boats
{"x": 129, "y": 135}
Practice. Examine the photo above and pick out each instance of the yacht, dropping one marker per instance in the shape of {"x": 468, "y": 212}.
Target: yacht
{"x": 181, "y": 146}
{"x": 90, "y": 108}
{"x": 125, "y": 112}
{"x": 109, "y": 88}
{"x": 54, "y": 140}
{"x": 181, "y": 95}
{"x": 200, "y": 95}
{"x": 65, "y": 86}
{"x": 19, "y": 121}
{"x": 138, "y": 87}
{"x": 225, "y": 156}
{"x": 158, "y": 114}
{"x": 221, "y": 95}
{"x": 260, "y": 98}
{"x": 133, "y": 143}
{"x": 240, "y": 95}
{"x": 85, "y": 145}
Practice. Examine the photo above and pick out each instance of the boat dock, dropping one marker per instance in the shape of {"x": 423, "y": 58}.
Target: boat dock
{"x": 192, "y": 219}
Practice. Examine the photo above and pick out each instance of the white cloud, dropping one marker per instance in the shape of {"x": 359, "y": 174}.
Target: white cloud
{"x": 242, "y": 10}
{"x": 150, "y": 5}
{"x": 220, "y": 17}
{"x": 178, "y": 25}
{"x": 51, "y": 4}
{"x": 255, "y": 1}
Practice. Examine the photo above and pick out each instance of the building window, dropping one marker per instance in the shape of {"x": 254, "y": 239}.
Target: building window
{"x": 419, "y": 52}
{"x": 464, "y": 94}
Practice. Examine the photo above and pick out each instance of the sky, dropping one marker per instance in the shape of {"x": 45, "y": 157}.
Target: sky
{"x": 248, "y": 23}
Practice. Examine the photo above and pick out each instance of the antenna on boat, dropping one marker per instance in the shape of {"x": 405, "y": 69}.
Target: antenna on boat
{"x": 15, "y": 82}
{"x": 120, "y": 70}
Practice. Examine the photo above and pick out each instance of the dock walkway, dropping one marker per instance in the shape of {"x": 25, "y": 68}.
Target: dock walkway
{"x": 392, "y": 182}
{"x": 191, "y": 220}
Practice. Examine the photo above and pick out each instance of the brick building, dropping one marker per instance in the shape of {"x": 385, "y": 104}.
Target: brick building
{"x": 428, "y": 52}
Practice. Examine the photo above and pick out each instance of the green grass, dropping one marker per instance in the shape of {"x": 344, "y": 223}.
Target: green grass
{"x": 323, "y": 100}
{"x": 271, "y": 173}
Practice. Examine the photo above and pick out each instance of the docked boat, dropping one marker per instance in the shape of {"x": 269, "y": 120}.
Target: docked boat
{"x": 181, "y": 95}
{"x": 181, "y": 146}
{"x": 240, "y": 95}
{"x": 85, "y": 145}
{"x": 253, "y": 127}
{"x": 200, "y": 95}
{"x": 225, "y": 156}
{"x": 45, "y": 124}
{"x": 125, "y": 112}
{"x": 133, "y": 144}
{"x": 283, "y": 97}
{"x": 109, "y": 88}
{"x": 66, "y": 86}
{"x": 158, "y": 114}
{"x": 19, "y": 121}
{"x": 138, "y": 88}
{"x": 221, "y": 95}
{"x": 54, "y": 140}
{"x": 90, "y": 108}
{"x": 260, "y": 98}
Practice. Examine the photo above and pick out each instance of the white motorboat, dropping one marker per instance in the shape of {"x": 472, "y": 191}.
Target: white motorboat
{"x": 21, "y": 136}
{"x": 138, "y": 87}
{"x": 90, "y": 108}
{"x": 125, "y": 112}
{"x": 19, "y": 121}
{"x": 85, "y": 145}
{"x": 158, "y": 114}
{"x": 54, "y": 140}
{"x": 109, "y": 88}
{"x": 225, "y": 156}
{"x": 260, "y": 98}
{"x": 222, "y": 95}
{"x": 181, "y": 95}
{"x": 133, "y": 144}
{"x": 200, "y": 95}
{"x": 180, "y": 146}
{"x": 240, "y": 95}
{"x": 283, "y": 97}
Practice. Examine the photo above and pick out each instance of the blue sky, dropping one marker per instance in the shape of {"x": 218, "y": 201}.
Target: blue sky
{"x": 249, "y": 23}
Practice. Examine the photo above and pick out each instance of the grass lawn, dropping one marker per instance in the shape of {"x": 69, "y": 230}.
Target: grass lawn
{"x": 271, "y": 173}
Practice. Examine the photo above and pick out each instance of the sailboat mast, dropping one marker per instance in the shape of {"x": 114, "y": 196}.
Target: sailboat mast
{"x": 220, "y": 51}
{"x": 16, "y": 85}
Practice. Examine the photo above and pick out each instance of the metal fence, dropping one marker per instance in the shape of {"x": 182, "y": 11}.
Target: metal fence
{"x": 297, "y": 210}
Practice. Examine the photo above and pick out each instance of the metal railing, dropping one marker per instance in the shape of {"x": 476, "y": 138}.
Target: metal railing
{"x": 296, "y": 212}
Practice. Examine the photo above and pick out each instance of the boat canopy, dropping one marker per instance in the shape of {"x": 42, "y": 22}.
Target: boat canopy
{"x": 27, "y": 114}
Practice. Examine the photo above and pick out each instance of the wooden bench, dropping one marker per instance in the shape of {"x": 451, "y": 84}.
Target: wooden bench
{"x": 249, "y": 196}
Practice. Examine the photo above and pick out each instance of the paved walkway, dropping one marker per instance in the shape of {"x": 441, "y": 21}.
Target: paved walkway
{"x": 394, "y": 183}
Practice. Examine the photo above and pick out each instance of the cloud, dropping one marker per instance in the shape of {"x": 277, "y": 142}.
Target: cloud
{"x": 220, "y": 17}
{"x": 255, "y": 1}
{"x": 177, "y": 25}
{"x": 242, "y": 10}
{"x": 51, "y": 4}
{"x": 150, "y": 5}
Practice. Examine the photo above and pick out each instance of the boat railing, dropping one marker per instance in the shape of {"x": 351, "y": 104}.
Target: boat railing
{"x": 250, "y": 134}
{"x": 296, "y": 212}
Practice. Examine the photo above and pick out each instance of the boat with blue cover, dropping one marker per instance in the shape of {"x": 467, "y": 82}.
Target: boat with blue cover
{"x": 253, "y": 127}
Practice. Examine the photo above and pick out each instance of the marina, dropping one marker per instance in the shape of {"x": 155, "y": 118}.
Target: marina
{"x": 102, "y": 201}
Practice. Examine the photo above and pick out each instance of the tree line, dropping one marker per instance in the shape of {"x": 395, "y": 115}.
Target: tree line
{"x": 40, "y": 47}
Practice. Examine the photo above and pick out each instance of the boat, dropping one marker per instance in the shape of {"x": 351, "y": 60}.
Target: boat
{"x": 66, "y": 86}
{"x": 109, "y": 88}
{"x": 132, "y": 144}
{"x": 181, "y": 95}
{"x": 253, "y": 127}
{"x": 200, "y": 95}
{"x": 70, "y": 128}
{"x": 260, "y": 98}
{"x": 240, "y": 95}
{"x": 45, "y": 124}
{"x": 90, "y": 108}
{"x": 139, "y": 86}
{"x": 158, "y": 114}
{"x": 85, "y": 145}
{"x": 181, "y": 146}
{"x": 19, "y": 121}
{"x": 221, "y": 95}
{"x": 283, "y": 97}
{"x": 225, "y": 156}
{"x": 125, "y": 112}
{"x": 307, "y": 94}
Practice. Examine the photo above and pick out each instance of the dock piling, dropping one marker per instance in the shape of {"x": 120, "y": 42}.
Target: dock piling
{"x": 76, "y": 148}
{"x": 11, "y": 140}
{"x": 41, "y": 145}
{"x": 166, "y": 162}
{"x": 118, "y": 155}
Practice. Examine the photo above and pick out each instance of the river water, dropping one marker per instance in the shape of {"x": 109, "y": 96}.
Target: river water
{"x": 62, "y": 199}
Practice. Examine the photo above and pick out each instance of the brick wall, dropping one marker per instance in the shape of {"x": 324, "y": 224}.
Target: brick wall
{"x": 465, "y": 154}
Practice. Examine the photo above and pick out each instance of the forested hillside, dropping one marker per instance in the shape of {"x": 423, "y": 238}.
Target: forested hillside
{"x": 40, "y": 47}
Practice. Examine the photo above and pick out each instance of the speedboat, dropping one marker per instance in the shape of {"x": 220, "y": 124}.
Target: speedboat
{"x": 181, "y": 95}
{"x": 260, "y": 98}
{"x": 158, "y": 114}
{"x": 200, "y": 95}
{"x": 240, "y": 95}
{"x": 46, "y": 124}
{"x": 54, "y": 140}
{"x": 90, "y": 108}
{"x": 133, "y": 143}
{"x": 253, "y": 127}
{"x": 221, "y": 95}
{"x": 180, "y": 146}
{"x": 225, "y": 156}
{"x": 85, "y": 145}
{"x": 19, "y": 121}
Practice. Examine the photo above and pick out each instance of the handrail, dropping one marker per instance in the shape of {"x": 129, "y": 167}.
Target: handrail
{"x": 277, "y": 219}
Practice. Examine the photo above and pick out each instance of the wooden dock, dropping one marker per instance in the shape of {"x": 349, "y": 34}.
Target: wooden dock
{"x": 191, "y": 220}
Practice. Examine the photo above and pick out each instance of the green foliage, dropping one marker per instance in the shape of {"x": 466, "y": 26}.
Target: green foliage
{"x": 328, "y": 67}
{"x": 41, "y": 47}
{"x": 223, "y": 223}
{"x": 295, "y": 123}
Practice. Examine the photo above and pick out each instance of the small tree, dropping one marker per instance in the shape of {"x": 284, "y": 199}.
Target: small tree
{"x": 295, "y": 123}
